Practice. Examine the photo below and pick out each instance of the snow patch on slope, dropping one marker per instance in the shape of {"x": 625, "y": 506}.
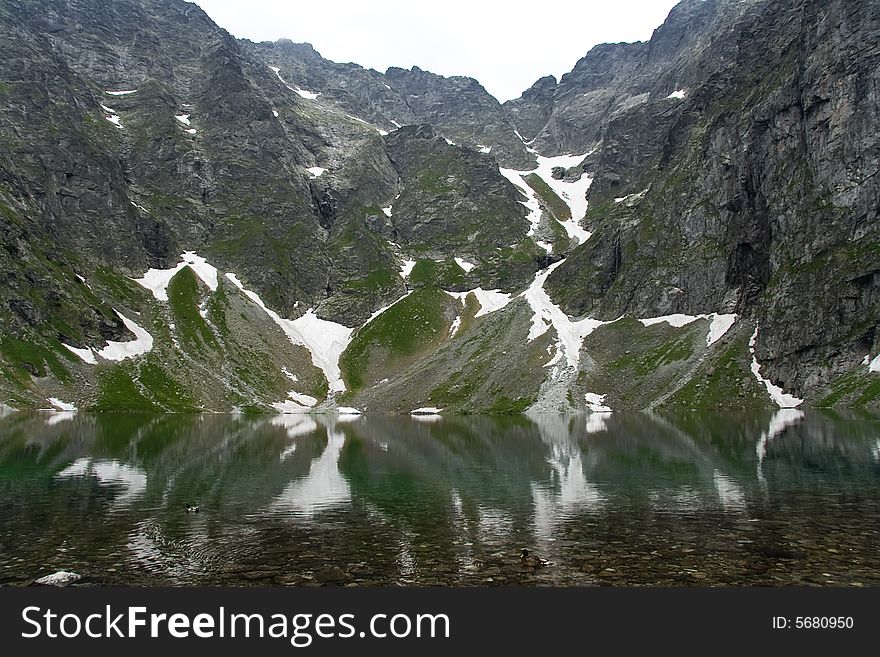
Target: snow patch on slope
{"x": 309, "y": 95}
{"x": 572, "y": 193}
{"x": 456, "y": 324}
{"x": 489, "y": 300}
{"x": 406, "y": 268}
{"x": 531, "y": 203}
{"x": 570, "y": 334}
{"x": 596, "y": 403}
{"x": 464, "y": 264}
{"x": 325, "y": 340}
{"x": 527, "y": 144}
{"x": 782, "y": 399}
{"x": 157, "y": 280}
{"x": 291, "y": 406}
{"x": 631, "y": 197}
{"x": 299, "y": 398}
{"x": 348, "y": 410}
{"x": 61, "y": 405}
{"x": 720, "y": 325}
{"x": 86, "y": 355}
{"x": 119, "y": 351}
{"x": 112, "y": 116}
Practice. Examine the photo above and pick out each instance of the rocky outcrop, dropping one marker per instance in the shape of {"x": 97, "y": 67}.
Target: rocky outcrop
{"x": 531, "y": 111}
{"x": 755, "y": 193}
{"x": 697, "y": 39}
{"x": 453, "y": 200}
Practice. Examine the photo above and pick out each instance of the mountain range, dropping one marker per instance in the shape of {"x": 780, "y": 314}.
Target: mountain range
{"x": 195, "y": 222}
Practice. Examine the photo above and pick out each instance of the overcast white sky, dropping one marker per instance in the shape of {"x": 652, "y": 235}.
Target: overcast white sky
{"x": 505, "y": 45}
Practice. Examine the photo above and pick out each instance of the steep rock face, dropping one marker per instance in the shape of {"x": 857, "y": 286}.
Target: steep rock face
{"x": 209, "y": 150}
{"x": 56, "y": 161}
{"x": 698, "y": 38}
{"x": 60, "y": 185}
{"x": 461, "y": 106}
{"x": 158, "y": 174}
{"x": 753, "y": 194}
{"x": 359, "y": 91}
{"x": 122, "y": 43}
{"x": 531, "y": 111}
{"x": 598, "y": 85}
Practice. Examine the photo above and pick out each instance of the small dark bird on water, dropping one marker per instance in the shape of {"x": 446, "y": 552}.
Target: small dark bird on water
{"x": 191, "y": 508}
{"x": 531, "y": 561}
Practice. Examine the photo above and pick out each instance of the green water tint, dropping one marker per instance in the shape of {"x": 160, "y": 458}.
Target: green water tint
{"x": 625, "y": 499}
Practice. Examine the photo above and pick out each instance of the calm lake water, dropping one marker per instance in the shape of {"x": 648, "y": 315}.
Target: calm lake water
{"x": 621, "y": 499}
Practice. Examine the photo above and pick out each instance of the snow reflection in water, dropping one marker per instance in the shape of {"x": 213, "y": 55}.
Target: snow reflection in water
{"x": 323, "y": 488}
{"x": 132, "y": 481}
{"x": 569, "y": 490}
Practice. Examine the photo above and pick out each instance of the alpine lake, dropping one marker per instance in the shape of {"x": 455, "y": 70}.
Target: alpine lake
{"x": 622, "y": 499}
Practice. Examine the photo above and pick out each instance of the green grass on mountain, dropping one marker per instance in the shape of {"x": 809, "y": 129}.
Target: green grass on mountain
{"x": 460, "y": 386}
{"x": 445, "y": 274}
{"x": 164, "y": 389}
{"x": 380, "y": 278}
{"x": 117, "y": 391}
{"x": 855, "y": 388}
{"x": 407, "y": 328}
{"x": 722, "y": 381}
{"x": 677, "y": 348}
{"x": 120, "y": 287}
{"x": 217, "y": 305}
{"x": 183, "y": 297}
{"x": 507, "y": 406}
{"x": 144, "y": 385}
{"x": 34, "y": 358}
{"x": 9, "y": 214}
{"x": 560, "y": 240}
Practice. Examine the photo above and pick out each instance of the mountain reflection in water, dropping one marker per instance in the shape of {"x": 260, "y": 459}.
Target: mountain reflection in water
{"x": 623, "y": 498}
